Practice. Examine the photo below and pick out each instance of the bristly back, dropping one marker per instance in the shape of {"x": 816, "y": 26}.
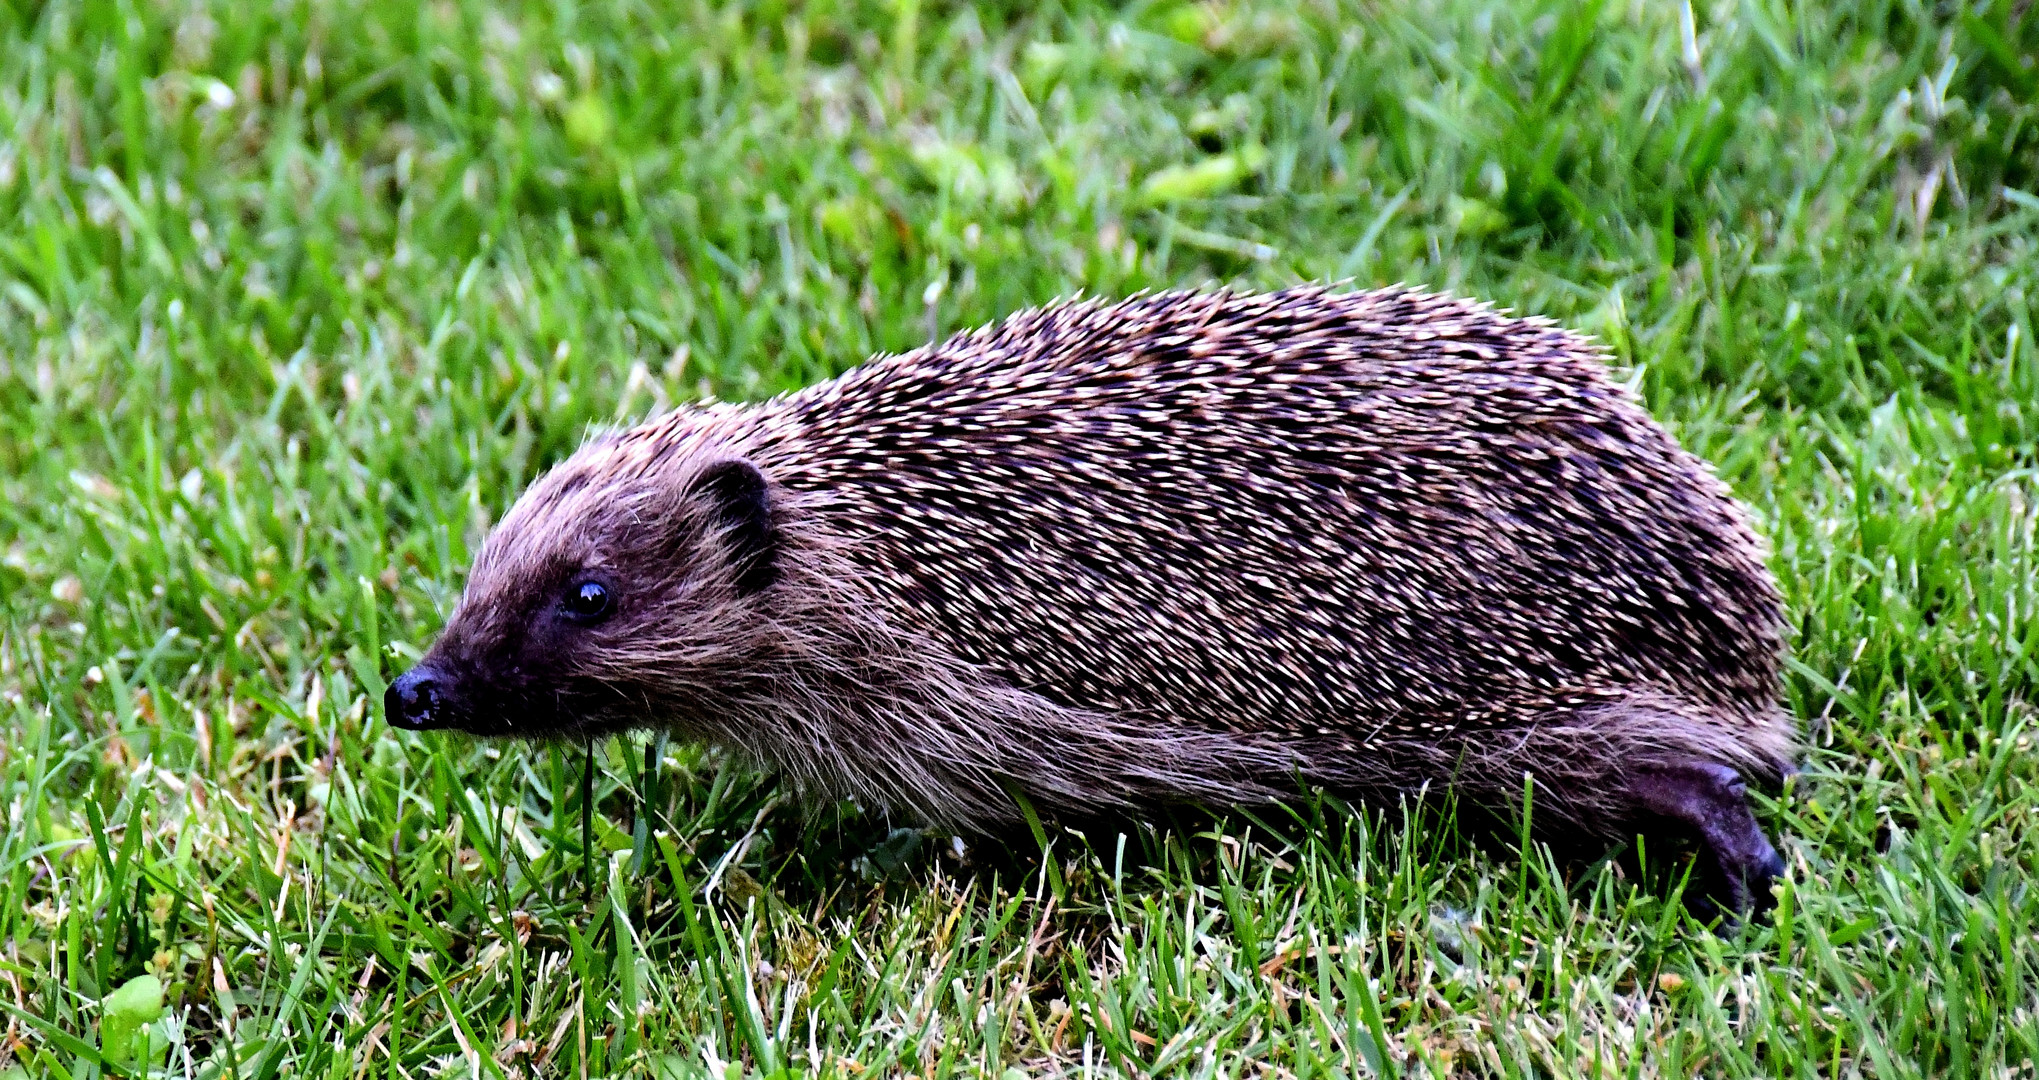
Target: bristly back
{"x": 1346, "y": 516}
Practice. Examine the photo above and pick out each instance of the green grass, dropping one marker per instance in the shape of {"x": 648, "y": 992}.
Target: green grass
{"x": 295, "y": 297}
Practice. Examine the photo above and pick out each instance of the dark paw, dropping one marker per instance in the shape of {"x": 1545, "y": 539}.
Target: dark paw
{"x": 1707, "y": 802}
{"x": 1738, "y": 882}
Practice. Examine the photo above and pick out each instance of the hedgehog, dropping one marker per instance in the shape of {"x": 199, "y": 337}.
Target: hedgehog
{"x": 1202, "y": 547}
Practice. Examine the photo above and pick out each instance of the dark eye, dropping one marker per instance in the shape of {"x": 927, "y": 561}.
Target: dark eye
{"x": 587, "y": 601}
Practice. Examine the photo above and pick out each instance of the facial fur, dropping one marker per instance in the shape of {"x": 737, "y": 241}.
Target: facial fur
{"x": 610, "y": 595}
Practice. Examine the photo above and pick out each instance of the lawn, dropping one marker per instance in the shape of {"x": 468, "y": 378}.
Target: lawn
{"x": 295, "y": 297}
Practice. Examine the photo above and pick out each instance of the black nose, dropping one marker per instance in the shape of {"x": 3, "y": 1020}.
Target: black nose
{"x": 417, "y": 700}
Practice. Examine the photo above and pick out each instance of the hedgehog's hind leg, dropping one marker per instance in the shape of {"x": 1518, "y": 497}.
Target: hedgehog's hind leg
{"x": 1709, "y": 802}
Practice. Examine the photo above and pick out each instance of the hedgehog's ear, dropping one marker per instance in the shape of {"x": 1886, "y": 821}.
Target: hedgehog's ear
{"x": 742, "y": 502}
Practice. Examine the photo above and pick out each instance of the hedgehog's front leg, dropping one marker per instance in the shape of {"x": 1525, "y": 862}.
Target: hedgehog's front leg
{"x": 1708, "y": 801}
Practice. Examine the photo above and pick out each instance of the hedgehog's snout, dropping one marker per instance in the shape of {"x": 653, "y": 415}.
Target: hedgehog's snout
{"x": 419, "y": 700}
